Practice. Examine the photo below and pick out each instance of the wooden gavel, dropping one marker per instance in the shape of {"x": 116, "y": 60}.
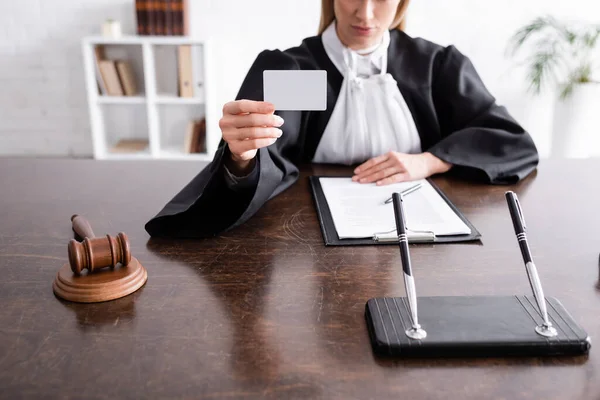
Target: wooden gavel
{"x": 94, "y": 253}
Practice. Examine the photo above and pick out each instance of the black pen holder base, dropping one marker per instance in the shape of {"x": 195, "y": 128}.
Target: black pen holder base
{"x": 477, "y": 326}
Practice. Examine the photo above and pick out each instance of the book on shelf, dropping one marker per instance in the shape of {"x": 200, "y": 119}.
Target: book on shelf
{"x": 170, "y": 17}
{"x": 184, "y": 71}
{"x": 126, "y": 77}
{"x": 115, "y": 77}
{"x": 159, "y": 17}
{"x": 110, "y": 77}
{"x": 189, "y": 137}
{"x": 151, "y": 9}
{"x": 130, "y": 146}
{"x": 98, "y": 56}
{"x": 162, "y": 17}
{"x": 195, "y": 137}
{"x": 145, "y": 17}
{"x": 140, "y": 16}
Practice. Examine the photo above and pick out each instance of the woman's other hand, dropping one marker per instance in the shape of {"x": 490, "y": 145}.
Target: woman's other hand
{"x": 399, "y": 167}
{"x": 247, "y": 126}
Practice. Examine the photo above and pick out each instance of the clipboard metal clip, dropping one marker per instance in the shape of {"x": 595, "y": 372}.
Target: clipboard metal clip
{"x": 413, "y": 236}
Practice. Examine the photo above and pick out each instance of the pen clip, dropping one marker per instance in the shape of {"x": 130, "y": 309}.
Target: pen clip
{"x": 405, "y": 192}
{"x": 520, "y": 213}
{"x": 412, "y": 236}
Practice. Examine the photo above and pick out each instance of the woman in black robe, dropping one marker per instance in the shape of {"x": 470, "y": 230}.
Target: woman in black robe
{"x": 461, "y": 128}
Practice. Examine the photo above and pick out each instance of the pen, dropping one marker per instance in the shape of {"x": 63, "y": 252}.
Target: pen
{"x": 415, "y": 332}
{"x": 406, "y": 191}
{"x": 518, "y": 220}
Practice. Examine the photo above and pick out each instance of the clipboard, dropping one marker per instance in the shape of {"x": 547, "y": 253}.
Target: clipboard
{"x": 331, "y": 238}
{"x": 472, "y": 326}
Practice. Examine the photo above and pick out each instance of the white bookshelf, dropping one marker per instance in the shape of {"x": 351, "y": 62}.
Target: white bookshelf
{"x": 154, "y": 114}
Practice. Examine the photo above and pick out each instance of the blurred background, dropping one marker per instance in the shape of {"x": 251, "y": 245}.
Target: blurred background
{"x": 56, "y": 99}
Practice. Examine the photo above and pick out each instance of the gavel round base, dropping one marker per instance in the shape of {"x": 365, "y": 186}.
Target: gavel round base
{"x": 102, "y": 285}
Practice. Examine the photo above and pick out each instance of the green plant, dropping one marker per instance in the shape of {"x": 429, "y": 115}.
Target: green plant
{"x": 561, "y": 52}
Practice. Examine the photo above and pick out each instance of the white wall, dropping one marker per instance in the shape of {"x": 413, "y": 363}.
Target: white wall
{"x": 43, "y": 106}
{"x": 481, "y": 30}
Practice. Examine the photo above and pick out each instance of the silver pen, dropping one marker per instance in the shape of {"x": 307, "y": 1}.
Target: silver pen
{"x": 415, "y": 331}
{"x": 516, "y": 214}
{"x": 406, "y": 191}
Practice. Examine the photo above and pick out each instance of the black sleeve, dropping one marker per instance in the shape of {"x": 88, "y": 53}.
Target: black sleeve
{"x": 206, "y": 206}
{"x": 479, "y": 137}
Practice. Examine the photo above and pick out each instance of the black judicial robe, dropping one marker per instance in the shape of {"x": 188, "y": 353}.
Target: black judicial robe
{"x": 457, "y": 119}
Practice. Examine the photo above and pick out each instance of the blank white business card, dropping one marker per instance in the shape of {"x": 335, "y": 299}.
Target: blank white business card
{"x": 296, "y": 90}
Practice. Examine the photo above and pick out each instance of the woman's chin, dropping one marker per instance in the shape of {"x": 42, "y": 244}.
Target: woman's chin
{"x": 362, "y": 43}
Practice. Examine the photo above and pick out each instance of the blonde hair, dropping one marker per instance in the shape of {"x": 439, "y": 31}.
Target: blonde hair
{"x": 328, "y": 15}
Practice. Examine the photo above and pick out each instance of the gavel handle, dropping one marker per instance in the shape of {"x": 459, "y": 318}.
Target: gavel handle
{"x": 82, "y": 227}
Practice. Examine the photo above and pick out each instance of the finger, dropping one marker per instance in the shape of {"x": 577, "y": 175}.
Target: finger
{"x": 370, "y": 163}
{"x": 401, "y": 177}
{"x": 242, "y": 146}
{"x": 248, "y": 106}
{"x": 252, "y": 133}
{"x": 377, "y": 167}
{"x": 379, "y": 175}
{"x": 250, "y": 120}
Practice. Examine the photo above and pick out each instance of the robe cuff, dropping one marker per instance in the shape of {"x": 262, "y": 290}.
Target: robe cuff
{"x": 238, "y": 183}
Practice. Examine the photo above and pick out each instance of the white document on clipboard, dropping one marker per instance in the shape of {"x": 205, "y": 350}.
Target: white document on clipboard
{"x": 359, "y": 211}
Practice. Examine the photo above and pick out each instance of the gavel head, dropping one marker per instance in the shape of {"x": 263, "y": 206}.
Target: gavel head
{"x": 96, "y": 253}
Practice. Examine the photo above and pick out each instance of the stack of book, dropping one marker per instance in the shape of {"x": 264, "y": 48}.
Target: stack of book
{"x": 115, "y": 77}
{"x": 195, "y": 137}
{"x": 162, "y": 17}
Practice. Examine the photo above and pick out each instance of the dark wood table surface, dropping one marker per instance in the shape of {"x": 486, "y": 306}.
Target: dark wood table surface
{"x": 266, "y": 310}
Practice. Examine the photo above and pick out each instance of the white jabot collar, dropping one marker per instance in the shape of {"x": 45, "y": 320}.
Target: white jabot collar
{"x": 375, "y": 56}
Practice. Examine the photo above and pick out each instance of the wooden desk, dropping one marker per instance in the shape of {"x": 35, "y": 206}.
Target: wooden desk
{"x": 266, "y": 311}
